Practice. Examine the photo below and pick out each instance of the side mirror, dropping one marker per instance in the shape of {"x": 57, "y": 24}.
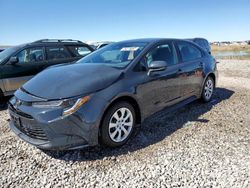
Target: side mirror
{"x": 13, "y": 60}
{"x": 157, "y": 66}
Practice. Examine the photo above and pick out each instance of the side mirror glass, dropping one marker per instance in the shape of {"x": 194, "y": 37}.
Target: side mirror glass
{"x": 13, "y": 60}
{"x": 157, "y": 66}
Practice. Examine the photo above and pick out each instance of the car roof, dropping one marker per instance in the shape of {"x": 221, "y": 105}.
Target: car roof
{"x": 152, "y": 40}
{"x": 53, "y": 42}
{"x": 193, "y": 39}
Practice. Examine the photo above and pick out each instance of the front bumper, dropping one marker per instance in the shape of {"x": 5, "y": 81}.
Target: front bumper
{"x": 63, "y": 134}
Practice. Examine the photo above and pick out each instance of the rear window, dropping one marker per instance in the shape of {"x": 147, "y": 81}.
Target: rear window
{"x": 201, "y": 43}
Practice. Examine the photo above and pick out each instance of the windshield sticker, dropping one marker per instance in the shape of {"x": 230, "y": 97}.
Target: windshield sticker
{"x": 129, "y": 49}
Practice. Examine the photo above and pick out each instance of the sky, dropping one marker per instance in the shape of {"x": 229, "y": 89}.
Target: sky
{"x": 24, "y": 21}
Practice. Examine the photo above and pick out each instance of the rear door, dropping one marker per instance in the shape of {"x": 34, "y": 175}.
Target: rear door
{"x": 56, "y": 55}
{"x": 15, "y": 75}
{"x": 191, "y": 68}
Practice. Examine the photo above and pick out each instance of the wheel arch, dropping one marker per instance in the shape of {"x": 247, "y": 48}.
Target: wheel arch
{"x": 211, "y": 74}
{"x": 126, "y": 98}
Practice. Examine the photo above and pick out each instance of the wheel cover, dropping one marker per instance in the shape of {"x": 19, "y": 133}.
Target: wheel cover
{"x": 208, "y": 90}
{"x": 120, "y": 124}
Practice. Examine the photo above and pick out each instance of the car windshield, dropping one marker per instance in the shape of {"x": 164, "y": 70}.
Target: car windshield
{"x": 117, "y": 55}
{"x": 6, "y": 54}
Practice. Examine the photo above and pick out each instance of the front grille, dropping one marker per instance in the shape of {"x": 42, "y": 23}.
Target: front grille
{"x": 31, "y": 130}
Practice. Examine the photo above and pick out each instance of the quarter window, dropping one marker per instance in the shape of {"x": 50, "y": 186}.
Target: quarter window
{"x": 31, "y": 55}
{"x": 55, "y": 53}
{"x": 188, "y": 51}
{"x": 79, "y": 51}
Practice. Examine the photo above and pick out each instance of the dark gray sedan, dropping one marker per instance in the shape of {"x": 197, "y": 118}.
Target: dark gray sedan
{"x": 102, "y": 97}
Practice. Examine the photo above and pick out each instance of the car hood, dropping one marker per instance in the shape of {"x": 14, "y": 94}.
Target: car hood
{"x": 71, "y": 80}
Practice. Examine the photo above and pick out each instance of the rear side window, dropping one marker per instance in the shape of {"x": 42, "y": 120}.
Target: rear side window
{"x": 79, "y": 51}
{"x": 30, "y": 55}
{"x": 188, "y": 51}
{"x": 55, "y": 53}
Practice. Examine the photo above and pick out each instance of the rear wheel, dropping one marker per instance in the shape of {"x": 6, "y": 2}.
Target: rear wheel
{"x": 208, "y": 89}
{"x": 118, "y": 124}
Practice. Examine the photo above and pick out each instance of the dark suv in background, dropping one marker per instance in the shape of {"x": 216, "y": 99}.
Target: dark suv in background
{"x": 202, "y": 43}
{"x": 20, "y": 63}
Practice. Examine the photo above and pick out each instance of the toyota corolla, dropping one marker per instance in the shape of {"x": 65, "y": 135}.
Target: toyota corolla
{"x": 105, "y": 95}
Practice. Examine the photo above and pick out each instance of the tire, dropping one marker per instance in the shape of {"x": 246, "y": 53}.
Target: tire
{"x": 113, "y": 127}
{"x": 208, "y": 89}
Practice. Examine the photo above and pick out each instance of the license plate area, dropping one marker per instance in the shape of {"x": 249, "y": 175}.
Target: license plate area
{"x": 16, "y": 121}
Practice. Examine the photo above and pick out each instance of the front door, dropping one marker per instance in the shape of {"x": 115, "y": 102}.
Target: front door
{"x": 15, "y": 75}
{"x": 161, "y": 88}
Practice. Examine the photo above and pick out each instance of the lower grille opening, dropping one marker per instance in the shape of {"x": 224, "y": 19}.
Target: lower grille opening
{"x": 32, "y": 131}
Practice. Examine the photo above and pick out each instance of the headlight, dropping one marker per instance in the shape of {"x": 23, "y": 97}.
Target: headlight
{"x": 69, "y": 105}
{"x": 47, "y": 104}
{"x": 76, "y": 106}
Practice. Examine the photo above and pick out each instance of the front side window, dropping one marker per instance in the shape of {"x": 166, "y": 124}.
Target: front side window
{"x": 163, "y": 52}
{"x": 116, "y": 55}
{"x": 79, "y": 51}
{"x": 188, "y": 51}
{"x": 55, "y": 53}
{"x": 31, "y": 55}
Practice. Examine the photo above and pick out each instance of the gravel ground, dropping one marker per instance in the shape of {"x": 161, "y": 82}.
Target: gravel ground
{"x": 201, "y": 145}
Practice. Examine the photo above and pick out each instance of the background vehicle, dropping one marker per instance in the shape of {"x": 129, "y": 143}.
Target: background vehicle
{"x": 202, "y": 43}
{"x": 20, "y": 63}
{"x": 98, "y": 45}
{"x": 107, "y": 93}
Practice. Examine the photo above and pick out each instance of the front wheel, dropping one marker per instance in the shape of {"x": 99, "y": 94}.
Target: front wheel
{"x": 208, "y": 89}
{"x": 118, "y": 124}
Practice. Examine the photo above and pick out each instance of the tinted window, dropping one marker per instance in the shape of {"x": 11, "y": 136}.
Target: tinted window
{"x": 31, "y": 55}
{"x": 200, "y": 43}
{"x": 164, "y": 52}
{"x": 79, "y": 51}
{"x": 55, "y": 53}
{"x": 188, "y": 51}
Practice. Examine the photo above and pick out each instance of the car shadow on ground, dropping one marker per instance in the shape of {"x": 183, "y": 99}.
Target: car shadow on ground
{"x": 153, "y": 130}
